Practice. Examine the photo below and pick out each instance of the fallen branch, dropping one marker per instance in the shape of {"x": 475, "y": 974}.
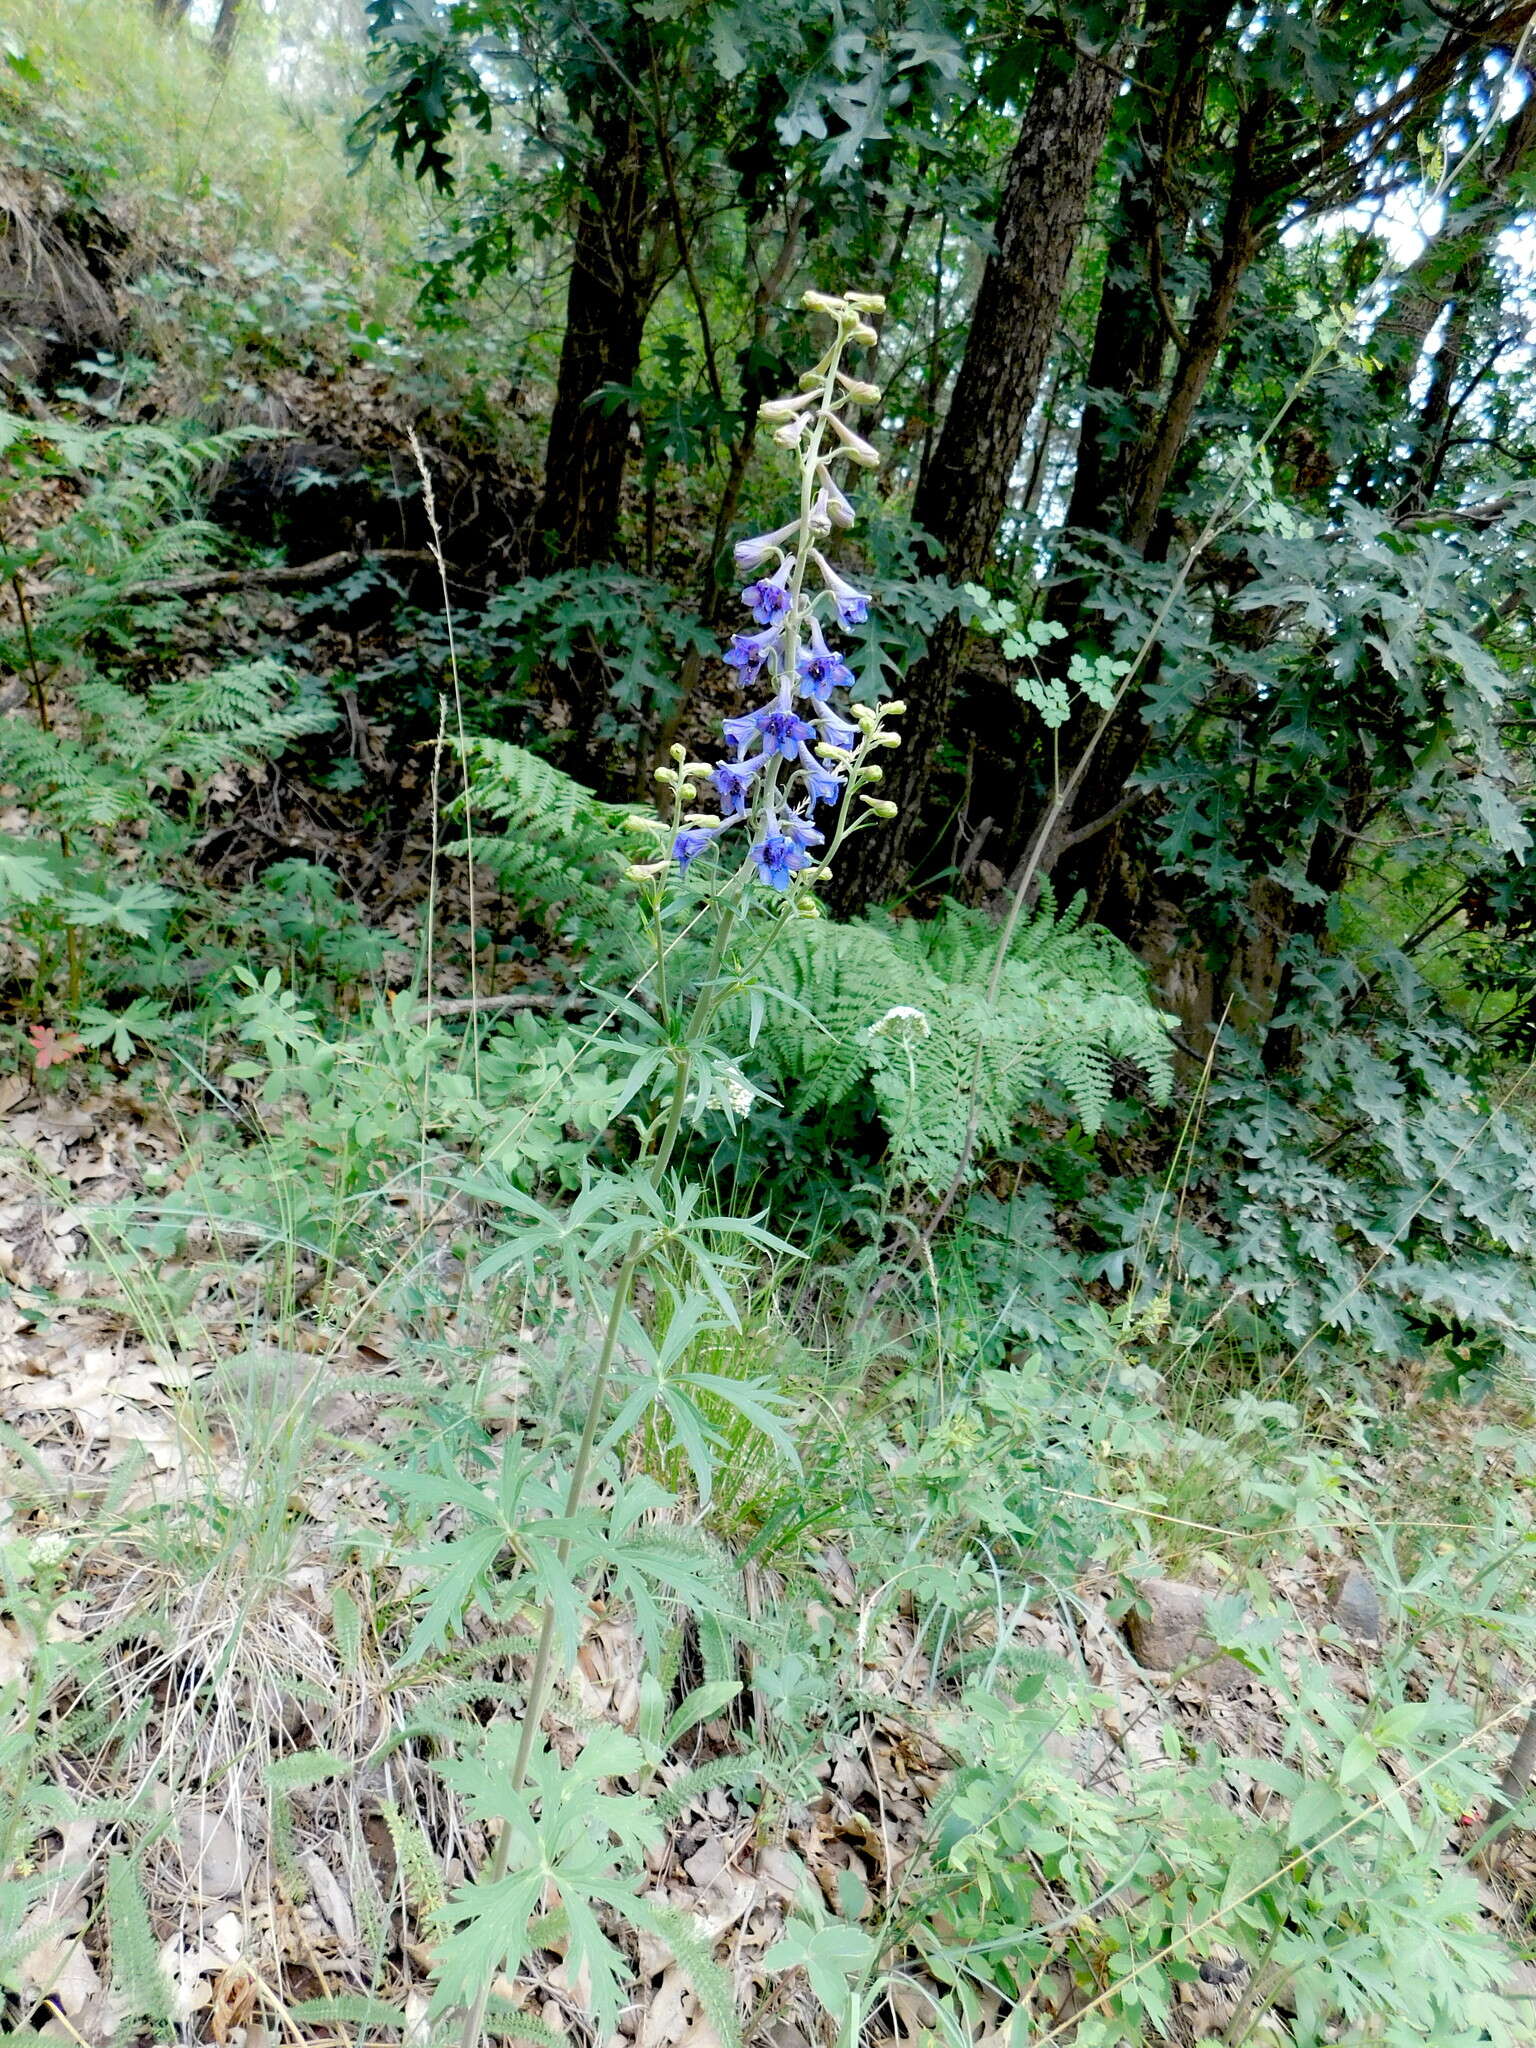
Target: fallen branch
{"x": 516, "y": 999}
{"x": 284, "y": 576}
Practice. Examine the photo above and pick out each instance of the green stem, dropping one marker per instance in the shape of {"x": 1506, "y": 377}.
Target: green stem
{"x": 544, "y": 1654}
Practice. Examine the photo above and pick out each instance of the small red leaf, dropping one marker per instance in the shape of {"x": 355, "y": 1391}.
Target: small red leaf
{"x": 48, "y": 1049}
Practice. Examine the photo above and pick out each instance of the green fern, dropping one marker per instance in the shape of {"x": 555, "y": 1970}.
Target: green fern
{"x": 137, "y": 1977}
{"x": 558, "y": 851}
{"x": 419, "y": 1871}
{"x": 92, "y": 621}
{"x": 892, "y": 1016}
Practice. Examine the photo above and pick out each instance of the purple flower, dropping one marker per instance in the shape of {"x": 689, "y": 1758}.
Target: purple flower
{"x": 689, "y": 844}
{"x": 741, "y": 732}
{"x": 782, "y": 732}
{"x": 852, "y": 605}
{"x": 802, "y": 831}
{"x": 778, "y": 857}
{"x": 824, "y": 786}
{"x": 845, "y": 736}
{"x": 767, "y": 599}
{"x": 754, "y": 551}
{"x": 822, "y": 669}
{"x": 735, "y": 784}
{"x": 748, "y": 651}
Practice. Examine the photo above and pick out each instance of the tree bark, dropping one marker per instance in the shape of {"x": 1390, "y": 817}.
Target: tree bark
{"x": 1130, "y": 337}
{"x": 224, "y": 30}
{"x": 1149, "y": 471}
{"x": 604, "y": 322}
{"x": 964, "y": 487}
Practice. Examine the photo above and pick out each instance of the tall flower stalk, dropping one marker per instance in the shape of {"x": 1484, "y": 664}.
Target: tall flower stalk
{"x": 796, "y": 781}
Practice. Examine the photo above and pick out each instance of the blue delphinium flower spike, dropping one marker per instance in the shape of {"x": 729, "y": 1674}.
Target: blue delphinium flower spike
{"x": 782, "y": 766}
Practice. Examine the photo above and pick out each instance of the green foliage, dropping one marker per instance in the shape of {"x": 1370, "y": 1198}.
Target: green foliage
{"x": 558, "y": 852}
{"x": 1378, "y": 1202}
{"x": 137, "y": 1977}
{"x": 113, "y": 777}
{"x": 894, "y": 1015}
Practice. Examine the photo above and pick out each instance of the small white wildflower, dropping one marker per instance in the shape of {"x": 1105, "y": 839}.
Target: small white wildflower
{"x": 52, "y": 1547}
{"x": 902, "y": 1015}
{"x": 739, "y": 1092}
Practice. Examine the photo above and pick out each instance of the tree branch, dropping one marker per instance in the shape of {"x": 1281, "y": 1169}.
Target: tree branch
{"x": 285, "y": 575}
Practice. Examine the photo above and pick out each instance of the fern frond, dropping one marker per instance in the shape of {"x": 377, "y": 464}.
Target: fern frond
{"x": 559, "y": 850}
{"x": 137, "y": 1977}
{"x": 889, "y": 1020}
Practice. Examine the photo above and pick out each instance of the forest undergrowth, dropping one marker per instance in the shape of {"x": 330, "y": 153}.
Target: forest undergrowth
{"x": 593, "y": 1452}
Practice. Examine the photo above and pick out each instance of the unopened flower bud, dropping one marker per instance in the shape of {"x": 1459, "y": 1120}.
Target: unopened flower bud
{"x": 776, "y": 409}
{"x": 789, "y": 437}
{"x": 677, "y": 752}
{"x": 667, "y": 776}
{"x": 886, "y": 739}
{"x": 864, "y": 335}
{"x": 863, "y": 717}
{"x": 830, "y": 753}
{"x": 855, "y": 446}
{"x": 687, "y": 793}
{"x": 806, "y": 904}
{"x": 820, "y": 302}
{"x": 643, "y": 824}
{"x": 865, "y": 302}
{"x": 895, "y": 709}
{"x": 861, "y": 392}
{"x": 644, "y": 872}
{"x": 878, "y": 806}
{"x": 873, "y": 773}
{"x": 811, "y": 381}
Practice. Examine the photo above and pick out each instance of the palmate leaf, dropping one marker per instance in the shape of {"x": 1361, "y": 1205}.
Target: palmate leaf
{"x": 460, "y": 1567}
{"x": 568, "y": 1834}
{"x": 24, "y": 877}
{"x": 670, "y": 1385}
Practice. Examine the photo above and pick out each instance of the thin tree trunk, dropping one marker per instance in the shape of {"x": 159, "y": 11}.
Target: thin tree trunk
{"x": 224, "y": 30}
{"x": 1150, "y": 471}
{"x": 964, "y": 488}
{"x": 605, "y": 311}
